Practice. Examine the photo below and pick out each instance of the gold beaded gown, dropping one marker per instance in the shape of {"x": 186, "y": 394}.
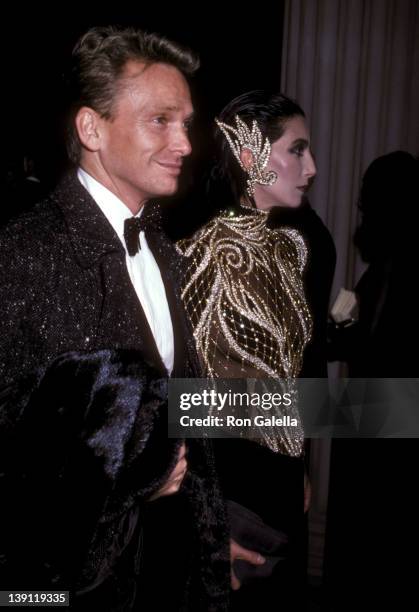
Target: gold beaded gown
{"x": 245, "y": 297}
{"x": 244, "y": 294}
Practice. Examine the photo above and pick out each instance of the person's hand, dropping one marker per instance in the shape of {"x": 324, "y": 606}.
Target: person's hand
{"x": 172, "y": 484}
{"x": 238, "y": 552}
{"x": 307, "y": 492}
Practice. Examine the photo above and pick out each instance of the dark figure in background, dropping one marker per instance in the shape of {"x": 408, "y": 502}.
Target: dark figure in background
{"x": 372, "y": 526}
{"x": 383, "y": 343}
{"x": 91, "y": 326}
{"x": 21, "y": 189}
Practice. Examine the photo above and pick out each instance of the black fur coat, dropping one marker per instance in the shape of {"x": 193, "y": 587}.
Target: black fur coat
{"x": 83, "y": 428}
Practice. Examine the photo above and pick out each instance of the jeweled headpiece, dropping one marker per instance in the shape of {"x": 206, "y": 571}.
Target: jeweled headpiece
{"x": 252, "y": 140}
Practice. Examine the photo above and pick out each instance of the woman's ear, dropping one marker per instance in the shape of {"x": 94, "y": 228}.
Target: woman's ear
{"x": 247, "y": 158}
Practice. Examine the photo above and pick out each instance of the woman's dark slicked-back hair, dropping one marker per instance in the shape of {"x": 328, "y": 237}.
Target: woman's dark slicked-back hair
{"x": 271, "y": 110}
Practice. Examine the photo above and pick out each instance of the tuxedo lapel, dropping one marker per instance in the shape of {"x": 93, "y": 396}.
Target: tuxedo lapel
{"x": 123, "y": 318}
{"x": 122, "y": 321}
{"x": 166, "y": 258}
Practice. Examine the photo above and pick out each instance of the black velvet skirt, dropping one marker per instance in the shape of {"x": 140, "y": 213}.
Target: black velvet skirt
{"x": 272, "y": 486}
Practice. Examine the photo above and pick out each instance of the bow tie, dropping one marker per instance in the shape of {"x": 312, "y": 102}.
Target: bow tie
{"x": 150, "y": 220}
{"x": 132, "y": 229}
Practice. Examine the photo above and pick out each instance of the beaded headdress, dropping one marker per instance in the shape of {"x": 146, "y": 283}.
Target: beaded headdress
{"x": 242, "y": 137}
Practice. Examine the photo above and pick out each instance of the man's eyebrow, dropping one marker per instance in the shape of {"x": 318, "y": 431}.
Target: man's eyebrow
{"x": 172, "y": 108}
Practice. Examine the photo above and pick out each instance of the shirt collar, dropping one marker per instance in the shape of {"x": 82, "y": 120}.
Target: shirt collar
{"x": 112, "y": 207}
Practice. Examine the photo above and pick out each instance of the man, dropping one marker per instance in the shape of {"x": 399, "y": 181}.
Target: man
{"x": 91, "y": 325}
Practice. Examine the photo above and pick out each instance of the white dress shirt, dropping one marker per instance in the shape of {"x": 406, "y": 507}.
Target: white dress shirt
{"x": 142, "y": 268}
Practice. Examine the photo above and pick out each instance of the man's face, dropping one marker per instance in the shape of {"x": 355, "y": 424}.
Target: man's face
{"x": 143, "y": 145}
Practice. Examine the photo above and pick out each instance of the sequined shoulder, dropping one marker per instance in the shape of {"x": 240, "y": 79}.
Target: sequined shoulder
{"x": 200, "y": 238}
{"x": 292, "y": 247}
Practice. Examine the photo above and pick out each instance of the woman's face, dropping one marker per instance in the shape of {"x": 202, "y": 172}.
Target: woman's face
{"x": 293, "y": 164}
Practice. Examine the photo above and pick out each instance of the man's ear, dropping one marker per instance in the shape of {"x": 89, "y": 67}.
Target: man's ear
{"x": 247, "y": 158}
{"x": 87, "y": 125}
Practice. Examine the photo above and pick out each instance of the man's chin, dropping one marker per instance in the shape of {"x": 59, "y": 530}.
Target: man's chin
{"x": 168, "y": 189}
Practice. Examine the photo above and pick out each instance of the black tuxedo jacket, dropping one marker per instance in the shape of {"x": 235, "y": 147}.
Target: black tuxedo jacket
{"x": 64, "y": 286}
{"x": 83, "y": 432}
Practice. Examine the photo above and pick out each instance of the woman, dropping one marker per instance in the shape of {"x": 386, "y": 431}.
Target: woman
{"x": 245, "y": 297}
